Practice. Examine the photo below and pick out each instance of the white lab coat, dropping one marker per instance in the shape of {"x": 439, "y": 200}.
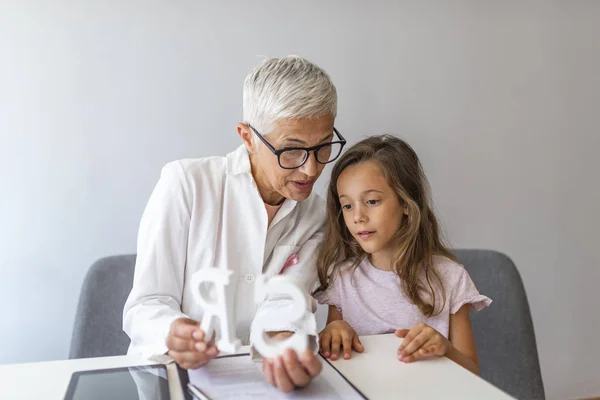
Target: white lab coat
{"x": 209, "y": 212}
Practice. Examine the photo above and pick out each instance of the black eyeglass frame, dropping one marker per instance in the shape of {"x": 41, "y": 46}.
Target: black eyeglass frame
{"x": 308, "y": 150}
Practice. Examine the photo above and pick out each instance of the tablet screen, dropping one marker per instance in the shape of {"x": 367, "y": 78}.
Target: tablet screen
{"x": 148, "y": 382}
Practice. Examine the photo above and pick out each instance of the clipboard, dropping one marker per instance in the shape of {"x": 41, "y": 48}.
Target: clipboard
{"x": 184, "y": 377}
{"x": 331, "y": 381}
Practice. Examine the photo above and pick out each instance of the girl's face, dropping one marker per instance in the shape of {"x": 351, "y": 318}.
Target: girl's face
{"x": 371, "y": 209}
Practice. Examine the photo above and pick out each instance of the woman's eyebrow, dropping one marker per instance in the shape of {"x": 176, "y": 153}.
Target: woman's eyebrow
{"x": 300, "y": 141}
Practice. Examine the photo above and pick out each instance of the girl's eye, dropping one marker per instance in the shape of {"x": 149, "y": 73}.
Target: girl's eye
{"x": 372, "y": 202}
{"x": 346, "y": 207}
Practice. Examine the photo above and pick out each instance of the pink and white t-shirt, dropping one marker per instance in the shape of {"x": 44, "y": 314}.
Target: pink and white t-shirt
{"x": 372, "y": 302}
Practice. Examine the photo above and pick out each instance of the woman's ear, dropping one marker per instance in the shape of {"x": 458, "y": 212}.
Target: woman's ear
{"x": 405, "y": 209}
{"x": 246, "y": 135}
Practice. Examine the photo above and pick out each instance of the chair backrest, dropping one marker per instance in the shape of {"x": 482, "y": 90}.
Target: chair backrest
{"x": 503, "y": 332}
{"x": 98, "y": 329}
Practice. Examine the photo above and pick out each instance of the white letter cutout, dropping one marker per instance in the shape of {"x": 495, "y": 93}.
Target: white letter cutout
{"x": 216, "y": 307}
{"x": 279, "y": 285}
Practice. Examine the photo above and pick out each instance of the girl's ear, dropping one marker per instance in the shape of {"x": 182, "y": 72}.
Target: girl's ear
{"x": 405, "y": 209}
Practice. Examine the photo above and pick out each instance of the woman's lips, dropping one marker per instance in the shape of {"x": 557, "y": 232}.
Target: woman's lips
{"x": 303, "y": 185}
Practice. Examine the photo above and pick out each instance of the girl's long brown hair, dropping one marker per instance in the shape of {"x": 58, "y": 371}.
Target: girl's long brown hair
{"x": 418, "y": 239}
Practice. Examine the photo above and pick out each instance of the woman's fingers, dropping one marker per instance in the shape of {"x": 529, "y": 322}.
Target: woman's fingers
{"x": 282, "y": 380}
{"x": 312, "y": 363}
{"x": 268, "y": 371}
{"x": 290, "y": 372}
{"x": 187, "y": 346}
{"x": 190, "y": 359}
{"x": 186, "y": 328}
{"x": 178, "y": 344}
{"x": 295, "y": 370}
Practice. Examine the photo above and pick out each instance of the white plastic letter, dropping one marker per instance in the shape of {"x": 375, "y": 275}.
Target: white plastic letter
{"x": 215, "y": 305}
{"x": 281, "y": 286}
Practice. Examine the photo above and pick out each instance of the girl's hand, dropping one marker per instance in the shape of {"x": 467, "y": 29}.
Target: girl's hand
{"x": 339, "y": 334}
{"x": 421, "y": 340}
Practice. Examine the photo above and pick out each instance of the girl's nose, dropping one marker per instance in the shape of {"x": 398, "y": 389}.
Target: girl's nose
{"x": 359, "y": 216}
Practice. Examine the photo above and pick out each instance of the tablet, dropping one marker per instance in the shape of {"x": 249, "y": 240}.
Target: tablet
{"x": 146, "y": 382}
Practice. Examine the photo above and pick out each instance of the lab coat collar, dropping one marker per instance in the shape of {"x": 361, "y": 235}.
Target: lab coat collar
{"x": 238, "y": 162}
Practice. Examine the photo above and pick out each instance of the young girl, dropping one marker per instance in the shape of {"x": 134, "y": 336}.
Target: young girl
{"x": 382, "y": 266}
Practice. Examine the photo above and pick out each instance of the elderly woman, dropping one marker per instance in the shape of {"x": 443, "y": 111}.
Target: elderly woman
{"x": 249, "y": 211}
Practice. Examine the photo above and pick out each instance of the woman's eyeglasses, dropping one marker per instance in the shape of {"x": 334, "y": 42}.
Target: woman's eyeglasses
{"x": 295, "y": 157}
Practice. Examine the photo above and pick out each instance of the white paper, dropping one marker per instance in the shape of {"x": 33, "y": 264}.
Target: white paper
{"x": 241, "y": 378}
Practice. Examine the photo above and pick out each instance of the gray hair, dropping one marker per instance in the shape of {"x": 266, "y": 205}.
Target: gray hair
{"x": 287, "y": 87}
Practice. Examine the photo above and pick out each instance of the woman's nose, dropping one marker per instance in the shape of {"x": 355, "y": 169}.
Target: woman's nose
{"x": 310, "y": 167}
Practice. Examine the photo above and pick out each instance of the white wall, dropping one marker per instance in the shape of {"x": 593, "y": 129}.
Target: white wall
{"x": 500, "y": 99}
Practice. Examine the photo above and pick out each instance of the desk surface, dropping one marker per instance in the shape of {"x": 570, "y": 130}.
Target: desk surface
{"x": 377, "y": 373}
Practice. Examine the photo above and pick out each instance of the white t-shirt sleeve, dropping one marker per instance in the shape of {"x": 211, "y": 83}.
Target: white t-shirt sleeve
{"x": 464, "y": 292}
{"x": 331, "y": 296}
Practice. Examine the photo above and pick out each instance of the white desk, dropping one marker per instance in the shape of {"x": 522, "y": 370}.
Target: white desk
{"x": 377, "y": 373}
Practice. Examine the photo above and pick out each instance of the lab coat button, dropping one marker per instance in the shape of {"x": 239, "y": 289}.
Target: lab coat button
{"x": 248, "y": 278}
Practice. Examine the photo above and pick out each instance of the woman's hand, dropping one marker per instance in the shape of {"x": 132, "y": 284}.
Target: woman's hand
{"x": 421, "y": 340}
{"x": 187, "y": 345}
{"x": 339, "y": 334}
{"x": 290, "y": 371}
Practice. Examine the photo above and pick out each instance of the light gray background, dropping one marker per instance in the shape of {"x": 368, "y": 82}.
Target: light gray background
{"x": 500, "y": 99}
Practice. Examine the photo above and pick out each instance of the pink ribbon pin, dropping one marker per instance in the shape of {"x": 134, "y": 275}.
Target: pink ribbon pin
{"x": 292, "y": 260}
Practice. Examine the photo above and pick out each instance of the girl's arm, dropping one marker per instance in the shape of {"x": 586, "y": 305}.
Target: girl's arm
{"x": 333, "y": 314}
{"x": 462, "y": 350}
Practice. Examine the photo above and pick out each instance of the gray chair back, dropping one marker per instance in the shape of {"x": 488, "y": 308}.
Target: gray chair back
{"x": 503, "y": 332}
{"x": 98, "y": 329}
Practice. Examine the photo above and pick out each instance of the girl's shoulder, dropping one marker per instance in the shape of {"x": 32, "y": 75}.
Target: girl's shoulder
{"x": 343, "y": 268}
{"x": 339, "y": 280}
{"x": 459, "y": 286}
{"x": 450, "y": 271}
{"x": 344, "y": 271}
